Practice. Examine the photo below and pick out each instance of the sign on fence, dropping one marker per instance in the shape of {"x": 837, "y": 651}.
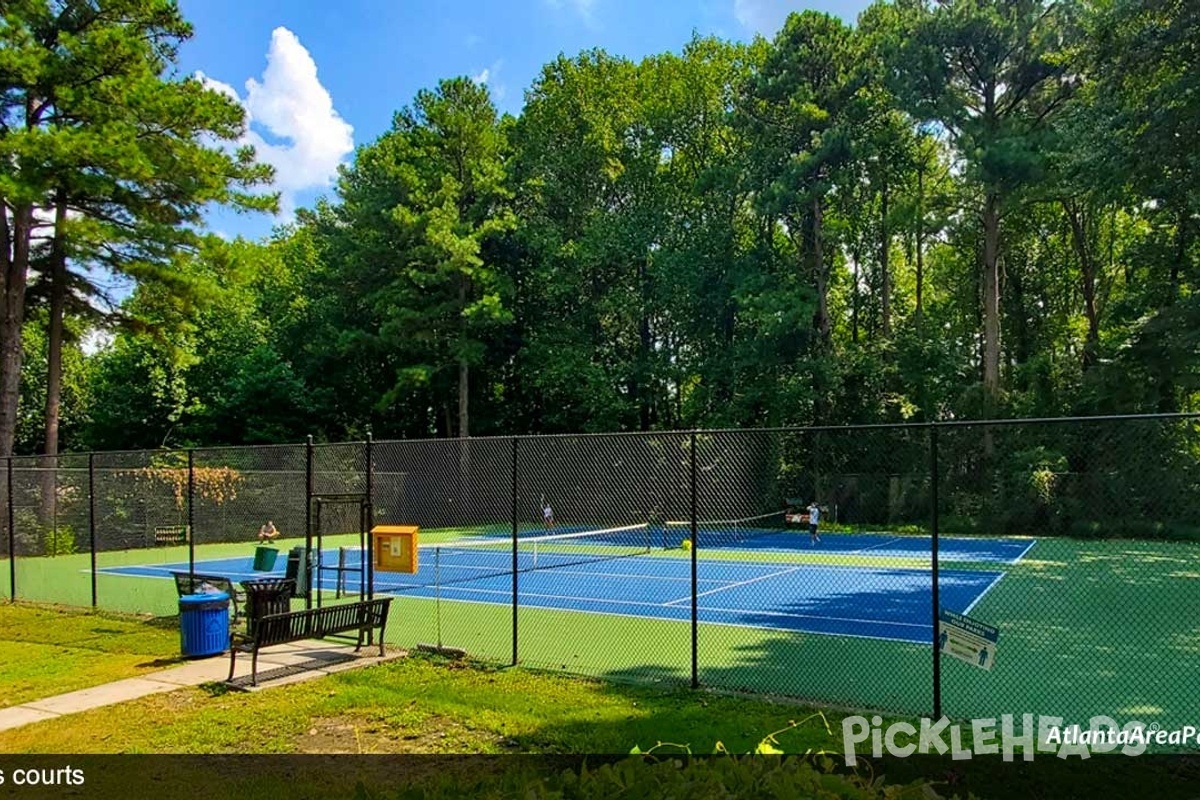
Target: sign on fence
{"x": 967, "y": 639}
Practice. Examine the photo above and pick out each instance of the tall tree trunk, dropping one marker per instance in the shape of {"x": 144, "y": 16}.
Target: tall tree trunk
{"x": 1077, "y": 217}
{"x": 1181, "y": 249}
{"x": 821, "y": 321}
{"x": 885, "y": 244}
{"x": 12, "y": 317}
{"x": 991, "y": 296}
{"x": 854, "y": 295}
{"x": 642, "y": 367}
{"x": 464, "y": 374}
{"x": 1167, "y": 402}
{"x": 12, "y": 298}
{"x": 920, "y": 246}
{"x": 464, "y": 370}
{"x": 57, "y": 273}
{"x": 643, "y": 380}
{"x": 58, "y": 302}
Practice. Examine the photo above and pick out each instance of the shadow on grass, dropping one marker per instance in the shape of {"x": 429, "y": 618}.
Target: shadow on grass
{"x": 162, "y": 663}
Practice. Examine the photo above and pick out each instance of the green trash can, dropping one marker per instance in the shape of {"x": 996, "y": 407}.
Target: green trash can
{"x": 264, "y": 559}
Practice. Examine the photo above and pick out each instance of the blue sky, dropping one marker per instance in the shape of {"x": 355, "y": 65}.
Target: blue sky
{"x": 319, "y": 78}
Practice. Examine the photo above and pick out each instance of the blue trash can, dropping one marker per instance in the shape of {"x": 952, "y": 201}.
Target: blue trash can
{"x": 204, "y": 624}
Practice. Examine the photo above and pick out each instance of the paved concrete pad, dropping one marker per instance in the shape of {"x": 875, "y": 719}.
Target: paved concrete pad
{"x": 17, "y": 716}
{"x": 104, "y": 695}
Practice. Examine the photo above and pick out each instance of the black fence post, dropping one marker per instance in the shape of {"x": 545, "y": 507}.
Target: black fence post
{"x": 515, "y": 527}
{"x": 12, "y": 537}
{"x": 92, "y": 521}
{"x": 695, "y": 570}
{"x": 191, "y": 523}
{"x": 368, "y": 554}
{"x": 308, "y": 528}
{"x": 933, "y": 555}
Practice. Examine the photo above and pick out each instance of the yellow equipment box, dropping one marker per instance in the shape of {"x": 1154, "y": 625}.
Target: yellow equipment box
{"x": 394, "y": 548}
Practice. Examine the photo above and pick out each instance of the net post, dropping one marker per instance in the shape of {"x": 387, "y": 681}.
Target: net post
{"x": 308, "y": 494}
{"x": 191, "y": 534}
{"x": 437, "y": 589}
{"x": 320, "y": 544}
{"x": 695, "y": 568}
{"x": 515, "y": 527}
{"x": 367, "y": 564}
{"x": 337, "y": 587}
{"x": 92, "y": 521}
{"x": 12, "y": 536}
{"x": 933, "y": 561}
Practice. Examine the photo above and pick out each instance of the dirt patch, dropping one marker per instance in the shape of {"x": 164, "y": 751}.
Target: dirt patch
{"x": 435, "y": 734}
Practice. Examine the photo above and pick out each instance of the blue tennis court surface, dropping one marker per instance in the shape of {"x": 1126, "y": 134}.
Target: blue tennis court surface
{"x": 860, "y": 600}
{"x": 888, "y": 545}
{"x": 779, "y": 540}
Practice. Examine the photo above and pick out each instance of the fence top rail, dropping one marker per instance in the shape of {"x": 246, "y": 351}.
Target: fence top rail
{"x": 273, "y": 445}
{"x": 676, "y": 433}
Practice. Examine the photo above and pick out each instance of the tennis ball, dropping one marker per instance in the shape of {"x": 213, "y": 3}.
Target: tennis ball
{"x": 687, "y": 544}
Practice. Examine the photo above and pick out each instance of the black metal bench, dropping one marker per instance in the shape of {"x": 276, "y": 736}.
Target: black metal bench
{"x": 194, "y": 583}
{"x": 314, "y": 623}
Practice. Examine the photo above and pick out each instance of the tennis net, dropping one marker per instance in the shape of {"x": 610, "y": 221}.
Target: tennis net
{"x": 724, "y": 532}
{"x": 468, "y": 560}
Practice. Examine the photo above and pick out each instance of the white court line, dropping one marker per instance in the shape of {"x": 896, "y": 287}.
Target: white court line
{"x": 681, "y": 622}
{"x": 1023, "y": 552}
{"x": 716, "y": 609}
{"x": 508, "y": 593}
{"x": 985, "y": 591}
{"x": 909, "y": 554}
{"x": 620, "y": 575}
{"x": 872, "y": 547}
{"x": 792, "y": 615}
{"x": 735, "y": 585}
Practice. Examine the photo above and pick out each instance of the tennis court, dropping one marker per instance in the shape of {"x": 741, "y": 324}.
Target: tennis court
{"x": 618, "y": 572}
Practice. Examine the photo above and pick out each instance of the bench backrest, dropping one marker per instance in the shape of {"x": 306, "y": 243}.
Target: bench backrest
{"x": 318, "y": 622}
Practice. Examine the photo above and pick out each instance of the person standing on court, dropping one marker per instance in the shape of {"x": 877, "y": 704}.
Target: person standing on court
{"x": 547, "y": 516}
{"x": 814, "y": 519}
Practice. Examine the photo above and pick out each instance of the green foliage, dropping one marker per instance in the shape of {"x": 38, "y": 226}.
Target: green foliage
{"x": 780, "y": 233}
{"x": 760, "y": 776}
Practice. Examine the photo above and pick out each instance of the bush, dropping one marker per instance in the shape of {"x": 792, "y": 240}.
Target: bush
{"x": 642, "y": 778}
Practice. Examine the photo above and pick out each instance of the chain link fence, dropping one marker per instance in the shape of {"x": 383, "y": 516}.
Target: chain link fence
{"x": 809, "y": 563}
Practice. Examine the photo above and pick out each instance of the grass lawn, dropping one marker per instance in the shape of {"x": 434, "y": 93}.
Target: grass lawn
{"x": 425, "y": 705}
{"x": 1087, "y": 627}
{"x": 432, "y": 705}
{"x": 49, "y": 651}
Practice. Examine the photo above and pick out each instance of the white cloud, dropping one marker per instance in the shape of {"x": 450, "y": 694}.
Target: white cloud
{"x": 308, "y": 138}
{"x": 583, "y": 8}
{"x": 764, "y": 16}
{"x": 490, "y": 77}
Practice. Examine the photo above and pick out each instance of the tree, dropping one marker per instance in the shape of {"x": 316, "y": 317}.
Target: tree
{"x": 1145, "y": 57}
{"x": 586, "y": 165}
{"x": 93, "y": 130}
{"x": 992, "y": 74}
{"x": 430, "y": 194}
{"x": 800, "y": 107}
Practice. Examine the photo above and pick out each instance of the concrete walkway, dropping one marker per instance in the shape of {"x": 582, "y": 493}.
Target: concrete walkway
{"x": 284, "y": 664}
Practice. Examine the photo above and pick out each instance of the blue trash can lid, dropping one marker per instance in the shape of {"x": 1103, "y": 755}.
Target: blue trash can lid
{"x": 196, "y": 599}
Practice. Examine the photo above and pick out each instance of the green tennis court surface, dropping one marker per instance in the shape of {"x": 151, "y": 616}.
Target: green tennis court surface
{"x": 1086, "y": 628}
